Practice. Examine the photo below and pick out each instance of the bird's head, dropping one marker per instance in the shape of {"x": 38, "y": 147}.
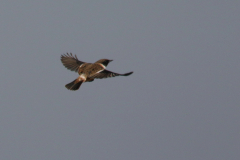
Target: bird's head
{"x": 104, "y": 62}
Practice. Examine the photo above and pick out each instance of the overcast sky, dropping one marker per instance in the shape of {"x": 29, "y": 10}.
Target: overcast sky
{"x": 181, "y": 103}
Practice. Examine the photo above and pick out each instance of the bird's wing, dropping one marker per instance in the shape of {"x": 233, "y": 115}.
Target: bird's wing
{"x": 107, "y": 74}
{"x": 71, "y": 62}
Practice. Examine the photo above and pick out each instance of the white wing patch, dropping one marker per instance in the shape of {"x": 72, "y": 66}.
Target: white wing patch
{"x": 100, "y": 71}
{"x": 102, "y": 66}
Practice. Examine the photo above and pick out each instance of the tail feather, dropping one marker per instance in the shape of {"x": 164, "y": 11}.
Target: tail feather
{"x": 74, "y": 85}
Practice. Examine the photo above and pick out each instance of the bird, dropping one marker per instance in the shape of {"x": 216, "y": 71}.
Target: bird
{"x": 87, "y": 71}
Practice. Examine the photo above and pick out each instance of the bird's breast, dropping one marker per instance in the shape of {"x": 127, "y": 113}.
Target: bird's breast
{"x": 90, "y": 69}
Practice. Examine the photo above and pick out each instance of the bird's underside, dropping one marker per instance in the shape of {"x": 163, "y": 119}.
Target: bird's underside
{"x": 87, "y": 71}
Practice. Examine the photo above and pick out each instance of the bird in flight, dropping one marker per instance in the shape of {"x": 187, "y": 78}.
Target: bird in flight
{"x": 87, "y": 71}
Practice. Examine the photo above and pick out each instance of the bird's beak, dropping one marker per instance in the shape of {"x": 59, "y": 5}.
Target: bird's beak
{"x": 110, "y": 60}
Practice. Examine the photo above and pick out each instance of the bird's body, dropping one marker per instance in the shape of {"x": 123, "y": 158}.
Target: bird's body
{"x": 87, "y": 71}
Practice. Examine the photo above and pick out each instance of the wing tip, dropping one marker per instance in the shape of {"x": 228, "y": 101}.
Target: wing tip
{"x": 127, "y": 74}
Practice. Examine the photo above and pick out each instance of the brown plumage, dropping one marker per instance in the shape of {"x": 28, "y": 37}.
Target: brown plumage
{"x": 87, "y": 71}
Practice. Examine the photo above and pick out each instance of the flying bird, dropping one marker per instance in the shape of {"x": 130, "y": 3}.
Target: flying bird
{"x": 87, "y": 71}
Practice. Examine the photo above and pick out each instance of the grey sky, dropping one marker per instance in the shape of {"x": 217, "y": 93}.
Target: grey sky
{"x": 182, "y": 102}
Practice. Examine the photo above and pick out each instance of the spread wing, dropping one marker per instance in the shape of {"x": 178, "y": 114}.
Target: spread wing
{"x": 71, "y": 62}
{"x": 107, "y": 74}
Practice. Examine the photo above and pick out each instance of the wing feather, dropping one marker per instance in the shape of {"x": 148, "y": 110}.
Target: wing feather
{"x": 107, "y": 74}
{"x": 71, "y": 62}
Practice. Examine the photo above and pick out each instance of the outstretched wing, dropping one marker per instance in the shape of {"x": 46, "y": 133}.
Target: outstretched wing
{"x": 107, "y": 74}
{"x": 71, "y": 62}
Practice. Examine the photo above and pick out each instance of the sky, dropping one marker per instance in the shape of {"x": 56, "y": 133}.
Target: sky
{"x": 181, "y": 103}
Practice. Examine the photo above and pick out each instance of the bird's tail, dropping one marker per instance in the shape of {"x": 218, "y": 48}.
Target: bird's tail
{"x": 74, "y": 85}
